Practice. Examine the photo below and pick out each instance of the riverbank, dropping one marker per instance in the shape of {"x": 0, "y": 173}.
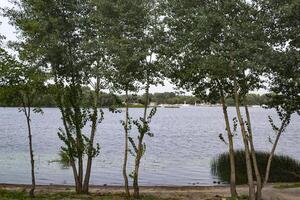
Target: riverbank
{"x": 271, "y": 192}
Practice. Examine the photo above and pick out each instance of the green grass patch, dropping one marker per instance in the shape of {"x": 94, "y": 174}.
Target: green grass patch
{"x": 284, "y": 169}
{"x": 243, "y": 197}
{"x": 15, "y": 195}
{"x": 286, "y": 186}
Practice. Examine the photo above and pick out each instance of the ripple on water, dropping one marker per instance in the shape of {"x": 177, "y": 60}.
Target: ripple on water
{"x": 185, "y": 142}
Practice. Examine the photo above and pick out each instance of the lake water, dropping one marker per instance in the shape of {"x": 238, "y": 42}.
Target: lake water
{"x": 185, "y": 142}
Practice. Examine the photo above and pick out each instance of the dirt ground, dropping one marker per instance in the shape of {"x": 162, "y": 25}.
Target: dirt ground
{"x": 180, "y": 193}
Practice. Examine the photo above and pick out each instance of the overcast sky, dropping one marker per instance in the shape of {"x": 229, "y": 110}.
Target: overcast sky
{"x": 5, "y": 29}
{"x": 10, "y": 33}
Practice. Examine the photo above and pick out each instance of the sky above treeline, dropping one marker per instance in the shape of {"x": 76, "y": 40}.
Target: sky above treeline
{"x": 10, "y": 34}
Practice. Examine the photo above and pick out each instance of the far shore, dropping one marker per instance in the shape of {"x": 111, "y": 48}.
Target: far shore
{"x": 158, "y": 106}
{"x": 271, "y": 191}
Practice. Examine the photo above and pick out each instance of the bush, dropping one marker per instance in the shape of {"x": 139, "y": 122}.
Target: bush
{"x": 283, "y": 168}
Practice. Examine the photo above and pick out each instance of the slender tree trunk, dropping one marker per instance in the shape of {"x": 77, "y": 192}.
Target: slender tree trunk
{"x": 126, "y": 185}
{"x": 80, "y": 175}
{"x": 231, "y": 148}
{"x": 73, "y": 98}
{"x": 77, "y": 123}
{"x": 283, "y": 124}
{"x": 245, "y": 140}
{"x": 253, "y": 155}
{"x": 93, "y": 132}
{"x": 32, "y": 159}
{"x": 27, "y": 112}
{"x": 31, "y": 193}
{"x": 72, "y": 160}
{"x": 136, "y": 193}
{"x": 74, "y": 169}
{"x": 80, "y": 155}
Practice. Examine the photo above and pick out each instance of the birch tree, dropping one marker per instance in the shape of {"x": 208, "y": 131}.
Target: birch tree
{"x": 24, "y": 84}
{"x": 215, "y": 50}
{"x": 54, "y": 31}
{"x": 121, "y": 24}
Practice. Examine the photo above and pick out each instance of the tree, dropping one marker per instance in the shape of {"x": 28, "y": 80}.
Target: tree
{"x": 283, "y": 65}
{"x": 55, "y": 33}
{"x": 284, "y": 84}
{"x": 125, "y": 31}
{"x": 215, "y": 49}
{"x": 151, "y": 75}
{"x": 26, "y": 84}
{"x": 192, "y": 64}
{"x": 121, "y": 24}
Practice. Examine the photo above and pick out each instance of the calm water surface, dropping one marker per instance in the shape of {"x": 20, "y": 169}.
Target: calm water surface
{"x": 186, "y": 140}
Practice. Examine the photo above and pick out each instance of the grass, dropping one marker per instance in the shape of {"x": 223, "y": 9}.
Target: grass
{"x": 243, "y": 197}
{"x": 284, "y": 169}
{"x": 14, "y": 195}
{"x": 286, "y": 186}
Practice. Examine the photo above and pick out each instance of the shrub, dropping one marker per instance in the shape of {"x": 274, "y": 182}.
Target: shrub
{"x": 283, "y": 168}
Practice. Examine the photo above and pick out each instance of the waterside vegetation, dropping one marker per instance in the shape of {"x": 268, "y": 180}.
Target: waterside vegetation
{"x": 71, "y": 52}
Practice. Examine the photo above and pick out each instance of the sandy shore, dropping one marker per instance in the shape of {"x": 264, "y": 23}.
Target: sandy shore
{"x": 180, "y": 193}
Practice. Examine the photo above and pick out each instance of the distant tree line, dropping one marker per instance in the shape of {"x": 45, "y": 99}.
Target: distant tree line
{"x": 109, "y": 100}
{"x": 48, "y": 100}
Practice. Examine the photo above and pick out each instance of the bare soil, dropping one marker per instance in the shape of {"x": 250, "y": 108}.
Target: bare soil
{"x": 180, "y": 193}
